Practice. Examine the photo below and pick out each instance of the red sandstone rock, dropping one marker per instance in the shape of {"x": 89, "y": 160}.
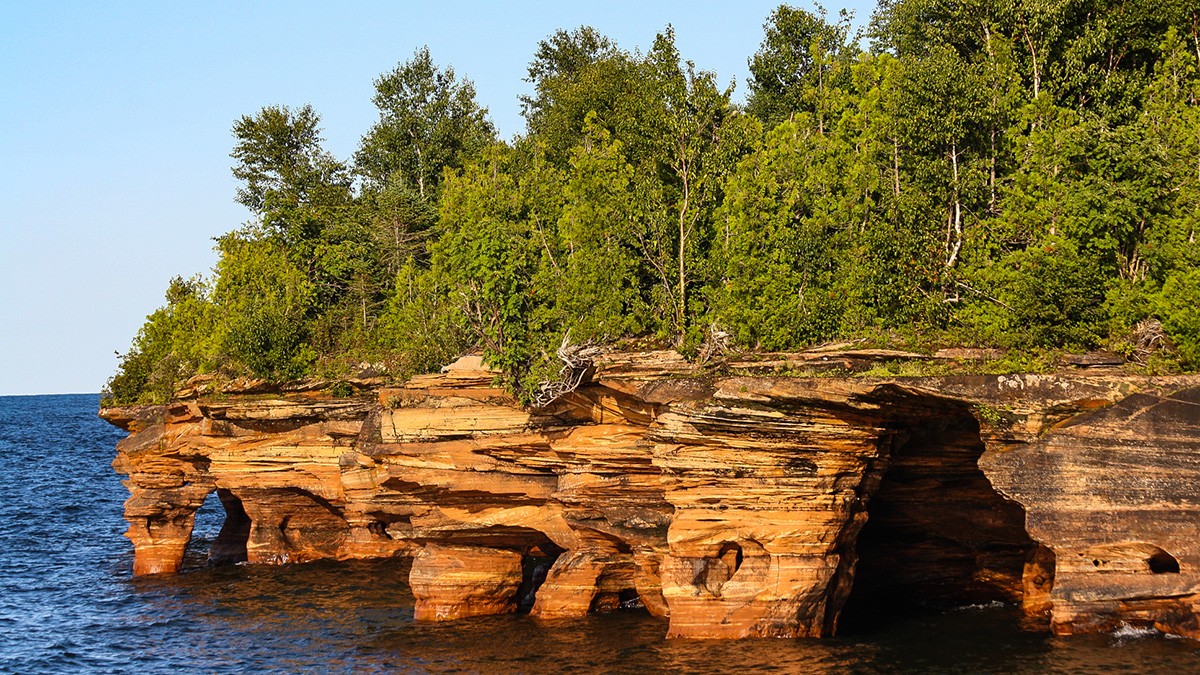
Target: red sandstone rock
{"x": 1112, "y": 495}
{"x": 739, "y": 506}
{"x": 454, "y": 582}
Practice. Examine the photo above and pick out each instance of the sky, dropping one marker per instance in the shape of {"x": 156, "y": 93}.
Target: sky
{"x": 115, "y": 123}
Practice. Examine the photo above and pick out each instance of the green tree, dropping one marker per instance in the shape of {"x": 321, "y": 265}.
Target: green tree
{"x": 559, "y": 60}
{"x": 582, "y": 73}
{"x": 401, "y": 223}
{"x": 941, "y": 103}
{"x": 285, "y": 172}
{"x": 429, "y": 121}
{"x": 422, "y": 328}
{"x": 600, "y": 271}
{"x": 490, "y": 259}
{"x": 802, "y": 66}
{"x": 701, "y": 139}
{"x": 1053, "y": 294}
{"x": 176, "y": 341}
{"x": 264, "y": 301}
{"x": 1176, "y": 304}
{"x": 780, "y": 253}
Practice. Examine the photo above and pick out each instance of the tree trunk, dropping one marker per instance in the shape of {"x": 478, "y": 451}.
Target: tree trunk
{"x": 682, "y": 314}
{"x": 1037, "y": 76}
{"x": 956, "y": 216}
{"x": 992, "y": 176}
{"x": 896, "y": 164}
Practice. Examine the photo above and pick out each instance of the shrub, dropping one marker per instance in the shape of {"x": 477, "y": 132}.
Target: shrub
{"x": 1178, "y": 307}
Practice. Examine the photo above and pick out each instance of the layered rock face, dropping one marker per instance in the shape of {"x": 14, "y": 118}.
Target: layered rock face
{"x": 1112, "y": 496}
{"x": 737, "y": 506}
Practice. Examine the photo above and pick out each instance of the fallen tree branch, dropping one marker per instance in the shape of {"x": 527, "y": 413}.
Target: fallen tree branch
{"x": 577, "y": 360}
{"x": 715, "y": 345}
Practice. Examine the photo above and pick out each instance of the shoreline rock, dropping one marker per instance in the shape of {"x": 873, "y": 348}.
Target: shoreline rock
{"x": 738, "y": 506}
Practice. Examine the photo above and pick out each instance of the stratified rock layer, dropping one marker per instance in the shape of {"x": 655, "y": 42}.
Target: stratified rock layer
{"x": 1113, "y": 495}
{"x": 752, "y": 505}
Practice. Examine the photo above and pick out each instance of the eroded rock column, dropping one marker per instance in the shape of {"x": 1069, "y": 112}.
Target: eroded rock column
{"x": 160, "y": 526}
{"x": 768, "y": 500}
{"x": 582, "y": 581}
{"x": 165, "y": 489}
{"x": 455, "y": 582}
{"x": 291, "y": 526}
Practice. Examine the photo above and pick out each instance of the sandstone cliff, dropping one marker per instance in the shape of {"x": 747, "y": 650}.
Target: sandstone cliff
{"x": 737, "y": 505}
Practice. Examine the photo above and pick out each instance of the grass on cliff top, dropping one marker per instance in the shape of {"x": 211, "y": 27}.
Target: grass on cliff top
{"x": 1014, "y": 362}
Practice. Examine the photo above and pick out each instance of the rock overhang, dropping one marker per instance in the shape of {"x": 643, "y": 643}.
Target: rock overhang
{"x": 734, "y": 504}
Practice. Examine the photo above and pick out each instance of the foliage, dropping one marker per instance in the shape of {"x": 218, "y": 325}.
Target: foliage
{"x": 1017, "y": 174}
{"x": 802, "y": 65}
{"x": 1053, "y": 294}
{"x": 428, "y": 122}
{"x": 998, "y": 417}
{"x": 597, "y": 284}
{"x": 176, "y": 341}
{"x": 1177, "y": 304}
{"x": 422, "y": 326}
{"x": 560, "y": 63}
{"x": 264, "y": 299}
{"x": 284, "y": 170}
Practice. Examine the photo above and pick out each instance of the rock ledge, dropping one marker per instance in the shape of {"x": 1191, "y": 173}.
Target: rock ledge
{"x": 751, "y": 505}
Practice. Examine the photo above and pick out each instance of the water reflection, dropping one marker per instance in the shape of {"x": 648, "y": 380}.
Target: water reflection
{"x": 357, "y": 616}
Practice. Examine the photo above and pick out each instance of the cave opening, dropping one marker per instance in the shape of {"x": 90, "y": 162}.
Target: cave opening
{"x": 937, "y": 534}
{"x": 220, "y": 530}
{"x": 731, "y": 554}
{"x": 1162, "y": 562}
{"x": 623, "y": 600}
{"x": 535, "y": 565}
{"x": 229, "y": 548}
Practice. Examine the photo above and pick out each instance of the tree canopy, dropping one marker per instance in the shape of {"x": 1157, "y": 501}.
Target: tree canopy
{"x": 1016, "y": 174}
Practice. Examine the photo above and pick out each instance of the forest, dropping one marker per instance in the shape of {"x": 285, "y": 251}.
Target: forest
{"x": 1015, "y": 174}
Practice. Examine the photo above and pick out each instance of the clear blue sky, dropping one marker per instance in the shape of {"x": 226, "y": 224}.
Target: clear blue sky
{"x": 115, "y": 119}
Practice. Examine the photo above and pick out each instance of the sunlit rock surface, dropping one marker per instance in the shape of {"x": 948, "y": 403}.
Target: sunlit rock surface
{"x": 739, "y": 505}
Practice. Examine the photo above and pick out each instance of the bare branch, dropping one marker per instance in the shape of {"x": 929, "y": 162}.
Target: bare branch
{"x": 716, "y": 345}
{"x": 577, "y": 361}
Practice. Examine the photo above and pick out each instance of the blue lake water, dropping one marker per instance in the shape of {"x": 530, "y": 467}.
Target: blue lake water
{"x": 68, "y": 602}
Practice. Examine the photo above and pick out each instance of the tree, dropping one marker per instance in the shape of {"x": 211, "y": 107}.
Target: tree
{"x": 284, "y": 170}
{"x": 1053, "y": 294}
{"x": 401, "y": 223}
{"x": 700, "y": 139}
{"x": 802, "y": 65}
{"x": 580, "y": 74}
{"x": 561, "y": 58}
{"x": 428, "y": 122}
{"x": 1176, "y": 304}
{"x": 422, "y": 327}
{"x": 779, "y": 251}
{"x": 488, "y": 256}
{"x": 177, "y": 340}
{"x": 264, "y": 301}
{"x": 941, "y": 104}
{"x": 1171, "y": 117}
{"x": 600, "y": 275}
